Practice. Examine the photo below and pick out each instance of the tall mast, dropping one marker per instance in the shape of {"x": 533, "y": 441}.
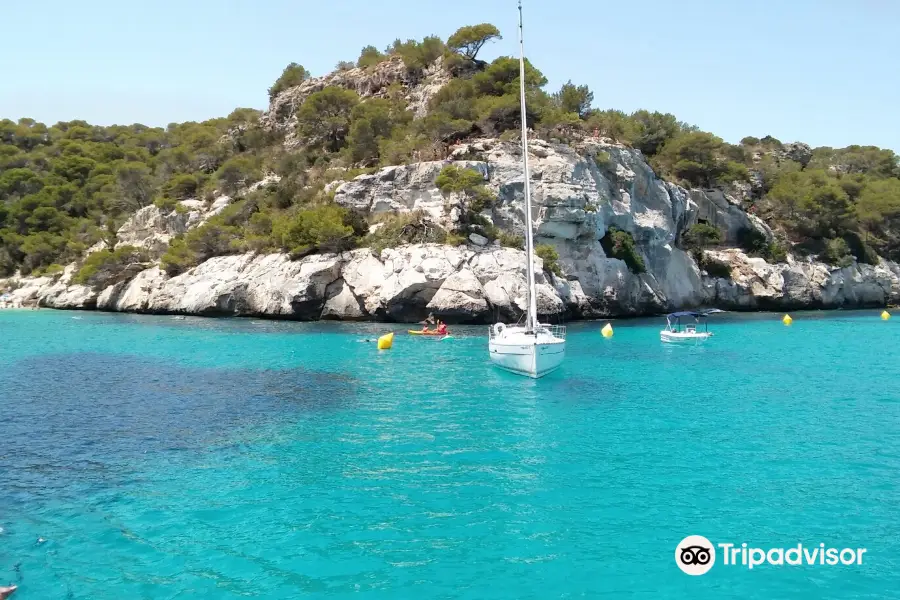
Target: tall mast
{"x": 531, "y": 318}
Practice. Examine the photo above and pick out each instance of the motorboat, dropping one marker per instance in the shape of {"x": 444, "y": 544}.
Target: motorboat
{"x": 676, "y": 331}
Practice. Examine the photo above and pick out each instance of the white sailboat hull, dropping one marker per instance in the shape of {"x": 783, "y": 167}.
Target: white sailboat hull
{"x": 532, "y": 355}
{"x": 541, "y": 350}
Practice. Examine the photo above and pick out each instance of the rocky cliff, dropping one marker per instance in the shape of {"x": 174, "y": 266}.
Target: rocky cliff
{"x": 579, "y": 193}
{"x": 374, "y": 82}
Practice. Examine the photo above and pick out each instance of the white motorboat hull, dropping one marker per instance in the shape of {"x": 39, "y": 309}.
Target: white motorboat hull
{"x": 684, "y": 336}
{"x": 532, "y": 355}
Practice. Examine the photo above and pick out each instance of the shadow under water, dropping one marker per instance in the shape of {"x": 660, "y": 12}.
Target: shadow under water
{"x": 100, "y": 412}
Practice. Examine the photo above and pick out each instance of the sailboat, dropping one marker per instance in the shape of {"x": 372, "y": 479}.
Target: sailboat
{"x": 534, "y": 349}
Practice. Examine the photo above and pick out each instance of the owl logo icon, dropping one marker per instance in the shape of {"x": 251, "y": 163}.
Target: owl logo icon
{"x": 695, "y": 555}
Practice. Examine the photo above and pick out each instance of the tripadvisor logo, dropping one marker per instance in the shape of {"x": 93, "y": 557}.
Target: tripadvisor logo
{"x": 696, "y": 555}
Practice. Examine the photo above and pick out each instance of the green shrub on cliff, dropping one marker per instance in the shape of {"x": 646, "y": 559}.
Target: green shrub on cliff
{"x": 754, "y": 243}
{"x": 468, "y": 40}
{"x": 575, "y": 99}
{"x": 221, "y": 235}
{"x": 550, "y": 256}
{"x": 751, "y": 239}
{"x": 468, "y": 182}
{"x": 701, "y": 235}
{"x": 182, "y": 186}
{"x": 878, "y": 210}
{"x": 325, "y": 116}
{"x": 653, "y": 130}
{"x": 454, "y": 179}
{"x": 178, "y": 258}
{"x": 51, "y": 270}
{"x": 613, "y": 124}
{"x": 861, "y": 249}
{"x": 292, "y": 75}
{"x": 775, "y": 252}
{"x": 326, "y": 228}
{"x": 418, "y": 56}
{"x": 837, "y": 253}
{"x": 620, "y": 244}
{"x": 104, "y": 267}
{"x": 601, "y": 159}
{"x": 456, "y": 100}
{"x": 812, "y": 203}
{"x": 199, "y": 245}
{"x": 699, "y": 159}
{"x": 714, "y": 268}
{"x": 369, "y": 57}
{"x": 407, "y": 228}
{"x": 511, "y": 240}
{"x": 373, "y": 122}
{"x": 878, "y": 163}
{"x": 238, "y": 172}
{"x": 166, "y": 203}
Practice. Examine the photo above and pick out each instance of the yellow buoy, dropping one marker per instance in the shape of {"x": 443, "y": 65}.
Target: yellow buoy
{"x": 386, "y": 341}
{"x": 885, "y": 315}
{"x": 607, "y": 331}
{"x": 787, "y": 320}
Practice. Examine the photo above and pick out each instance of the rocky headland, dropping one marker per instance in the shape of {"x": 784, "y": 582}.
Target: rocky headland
{"x": 277, "y": 213}
{"x": 576, "y": 201}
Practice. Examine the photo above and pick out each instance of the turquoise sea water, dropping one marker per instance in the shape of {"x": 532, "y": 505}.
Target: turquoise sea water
{"x": 160, "y": 458}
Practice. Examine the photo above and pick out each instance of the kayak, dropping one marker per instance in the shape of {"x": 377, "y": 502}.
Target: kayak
{"x": 427, "y": 333}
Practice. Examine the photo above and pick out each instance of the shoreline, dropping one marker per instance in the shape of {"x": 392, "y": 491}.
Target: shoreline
{"x": 725, "y": 315}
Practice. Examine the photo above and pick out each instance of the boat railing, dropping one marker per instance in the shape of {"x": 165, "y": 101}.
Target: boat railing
{"x": 557, "y": 331}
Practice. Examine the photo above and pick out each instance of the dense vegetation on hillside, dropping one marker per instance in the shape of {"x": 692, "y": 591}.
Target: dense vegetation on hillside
{"x": 67, "y": 187}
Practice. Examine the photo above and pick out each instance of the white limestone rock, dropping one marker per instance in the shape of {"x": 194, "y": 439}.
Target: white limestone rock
{"x": 342, "y": 304}
{"x": 460, "y": 297}
{"x": 478, "y": 240}
{"x": 577, "y": 198}
{"x": 152, "y": 228}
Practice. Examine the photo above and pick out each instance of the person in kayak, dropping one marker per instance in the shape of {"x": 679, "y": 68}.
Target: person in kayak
{"x": 442, "y": 328}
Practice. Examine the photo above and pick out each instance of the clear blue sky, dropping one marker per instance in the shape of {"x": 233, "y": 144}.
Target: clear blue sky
{"x": 820, "y": 71}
